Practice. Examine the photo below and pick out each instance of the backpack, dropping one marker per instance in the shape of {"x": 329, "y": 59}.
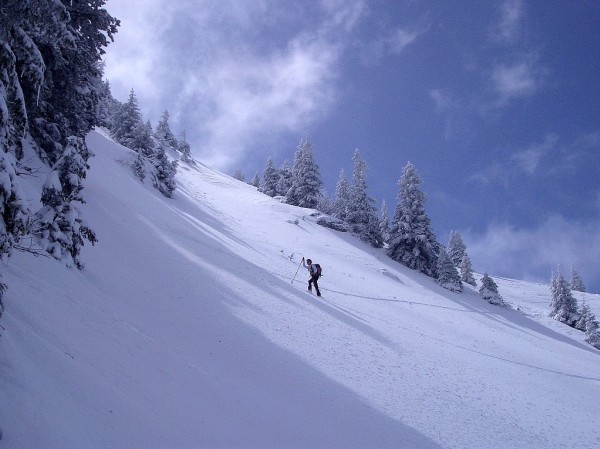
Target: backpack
{"x": 319, "y": 271}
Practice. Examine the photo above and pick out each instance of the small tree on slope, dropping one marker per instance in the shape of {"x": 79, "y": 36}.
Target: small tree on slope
{"x": 447, "y": 275}
{"x": 576, "y": 281}
{"x": 384, "y": 222}
{"x": 466, "y": 272}
{"x": 563, "y": 307}
{"x": 184, "y": 148}
{"x": 587, "y": 323}
{"x": 165, "y": 171}
{"x": 489, "y": 291}
{"x": 268, "y": 183}
{"x": 163, "y": 131}
{"x": 340, "y": 202}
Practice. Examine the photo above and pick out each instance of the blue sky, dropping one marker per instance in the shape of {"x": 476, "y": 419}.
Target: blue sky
{"x": 497, "y": 104}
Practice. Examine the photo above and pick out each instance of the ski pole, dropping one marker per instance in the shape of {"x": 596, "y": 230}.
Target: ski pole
{"x": 296, "y": 272}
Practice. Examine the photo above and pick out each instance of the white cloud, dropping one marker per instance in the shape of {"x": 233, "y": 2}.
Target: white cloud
{"x": 451, "y": 109}
{"x": 533, "y": 254}
{"x": 230, "y": 73}
{"x": 509, "y": 27}
{"x": 518, "y": 79}
{"x": 529, "y": 159}
{"x": 402, "y": 38}
{"x": 387, "y": 42}
{"x": 253, "y": 95}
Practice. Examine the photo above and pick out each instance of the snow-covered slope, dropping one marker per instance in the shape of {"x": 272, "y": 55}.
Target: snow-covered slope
{"x": 185, "y": 331}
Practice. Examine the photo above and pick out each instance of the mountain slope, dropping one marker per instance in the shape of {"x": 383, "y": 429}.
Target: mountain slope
{"x": 185, "y": 330}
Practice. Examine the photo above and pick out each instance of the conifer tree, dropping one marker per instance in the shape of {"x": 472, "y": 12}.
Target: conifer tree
{"x": 126, "y": 120}
{"x": 71, "y": 43}
{"x": 163, "y": 132}
{"x": 456, "y": 248}
{"x": 306, "y": 180}
{"x": 583, "y": 316}
{"x": 255, "y": 182}
{"x": 141, "y": 140}
{"x": 325, "y": 203}
{"x": 184, "y": 148}
{"x": 268, "y": 182}
{"x": 384, "y": 222}
{"x": 466, "y": 272}
{"x": 164, "y": 172}
{"x": 138, "y": 167}
{"x": 340, "y": 202}
{"x": 412, "y": 242}
{"x": 447, "y": 275}
{"x": 563, "y": 306}
{"x": 589, "y": 324}
{"x": 361, "y": 215}
{"x": 59, "y": 227}
{"x": 489, "y": 291}
{"x": 107, "y": 105}
{"x": 576, "y": 281}
{"x": 239, "y": 175}
{"x": 284, "y": 182}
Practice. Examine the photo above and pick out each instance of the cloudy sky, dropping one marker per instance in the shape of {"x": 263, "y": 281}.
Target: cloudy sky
{"x": 497, "y": 104}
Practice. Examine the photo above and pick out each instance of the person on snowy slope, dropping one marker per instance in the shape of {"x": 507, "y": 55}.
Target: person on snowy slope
{"x": 315, "y": 273}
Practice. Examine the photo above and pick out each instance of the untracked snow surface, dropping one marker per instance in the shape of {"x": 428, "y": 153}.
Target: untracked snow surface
{"x": 185, "y": 331}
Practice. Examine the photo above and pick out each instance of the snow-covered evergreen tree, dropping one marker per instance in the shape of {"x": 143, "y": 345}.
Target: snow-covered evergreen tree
{"x": 588, "y": 323}
{"x": 576, "y": 281}
{"x": 184, "y": 148}
{"x": 456, "y": 248}
{"x": 255, "y": 181}
{"x": 70, "y": 38}
{"x": 489, "y": 291}
{"x": 126, "y": 120}
{"x": 412, "y": 242}
{"x": 239, "y": 175}
{"x": 592, "y": 334}
{"x": 325, "y": 203}
{"x": 466, "y": 271}
{"x": 563, "y": 306}
{"x": 583, "y": 316}
{"x": 284, "y": 182}
{"x": 447, "y": 275}
{"x": 141, "y": 140}
{"x": 361, "y": 215}
{"x": 163, "y": 132}
{"x": 164, "y": 174}
{"x": 107, "y": 105}
{"x": 138, "y": 167}
{"x": 268, "y": 182}
{"x": 340, "y": 202}
{"x": 306, "y": 180}
{"x": 384, "y": 222}
{"x": 59, "y": 227}
{"x": 14, "y": 215}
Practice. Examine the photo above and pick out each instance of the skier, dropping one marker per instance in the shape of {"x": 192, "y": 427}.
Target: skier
{"x": 315, "y": 273}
